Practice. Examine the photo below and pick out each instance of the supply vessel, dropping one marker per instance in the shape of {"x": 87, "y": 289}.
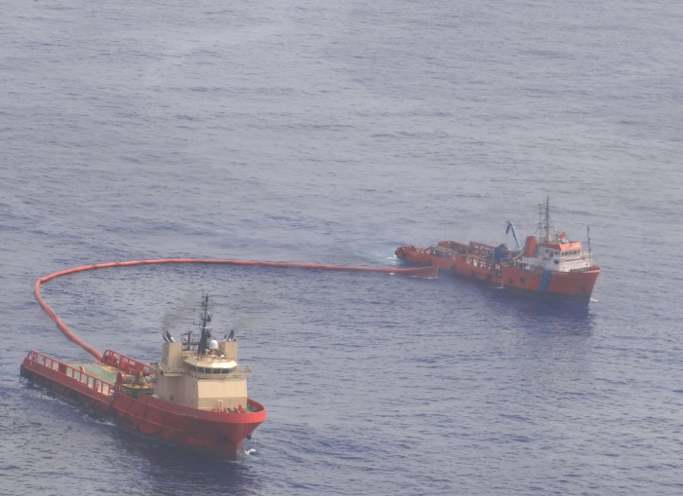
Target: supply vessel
{"x": 195, "y": 397}
{"x": 549, "y": 263}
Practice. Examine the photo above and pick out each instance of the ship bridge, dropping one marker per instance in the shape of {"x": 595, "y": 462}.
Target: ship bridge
{"x": 560, "y": 256}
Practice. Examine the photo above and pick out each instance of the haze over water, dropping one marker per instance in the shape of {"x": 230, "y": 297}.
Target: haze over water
{"x": 334, "y": 132}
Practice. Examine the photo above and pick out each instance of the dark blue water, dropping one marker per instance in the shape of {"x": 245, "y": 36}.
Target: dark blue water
{"x": 334, "y": 132}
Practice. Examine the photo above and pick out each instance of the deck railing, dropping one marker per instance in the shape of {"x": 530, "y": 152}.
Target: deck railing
{"x": 77, "y": 374}
{"x": 126, "y": 364}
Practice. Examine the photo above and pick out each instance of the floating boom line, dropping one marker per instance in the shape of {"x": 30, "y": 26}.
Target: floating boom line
{"x": 75, "y": 338}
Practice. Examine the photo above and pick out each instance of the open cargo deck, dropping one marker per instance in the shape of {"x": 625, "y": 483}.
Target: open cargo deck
{"x": 90, "y": 383}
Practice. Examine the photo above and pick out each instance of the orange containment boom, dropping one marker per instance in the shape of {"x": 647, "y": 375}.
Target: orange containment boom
{"x": 71, "y": 335}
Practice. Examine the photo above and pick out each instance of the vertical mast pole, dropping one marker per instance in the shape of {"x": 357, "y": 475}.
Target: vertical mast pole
{"x": 539, "y": 226}
{"x": 547, "y": 219}
{"x": 206, "y": 318}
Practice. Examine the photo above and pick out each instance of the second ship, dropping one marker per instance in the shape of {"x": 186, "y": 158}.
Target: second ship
{"x": 549, "y": 263}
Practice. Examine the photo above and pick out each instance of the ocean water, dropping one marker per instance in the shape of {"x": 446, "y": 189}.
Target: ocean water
{"x": 334, "y": 132}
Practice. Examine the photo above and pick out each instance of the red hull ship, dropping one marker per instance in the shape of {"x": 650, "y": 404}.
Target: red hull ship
{"x": 552, "y": 265}
{"x": 195, "y": 398}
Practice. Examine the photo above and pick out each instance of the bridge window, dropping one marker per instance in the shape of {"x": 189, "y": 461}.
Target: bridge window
{"x": 212, "y": 370}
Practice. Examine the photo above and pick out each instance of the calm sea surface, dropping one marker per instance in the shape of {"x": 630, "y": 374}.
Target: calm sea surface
{"x": 333, "y": 132}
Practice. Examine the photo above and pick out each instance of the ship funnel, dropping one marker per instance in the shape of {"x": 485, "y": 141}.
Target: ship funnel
{"x": 530, "y": 246}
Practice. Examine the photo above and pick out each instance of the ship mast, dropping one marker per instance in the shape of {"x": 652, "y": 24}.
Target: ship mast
{"x": 544, "y": 219}
{"x": 547, "y": 219}
{"x": 205, "y": 317}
